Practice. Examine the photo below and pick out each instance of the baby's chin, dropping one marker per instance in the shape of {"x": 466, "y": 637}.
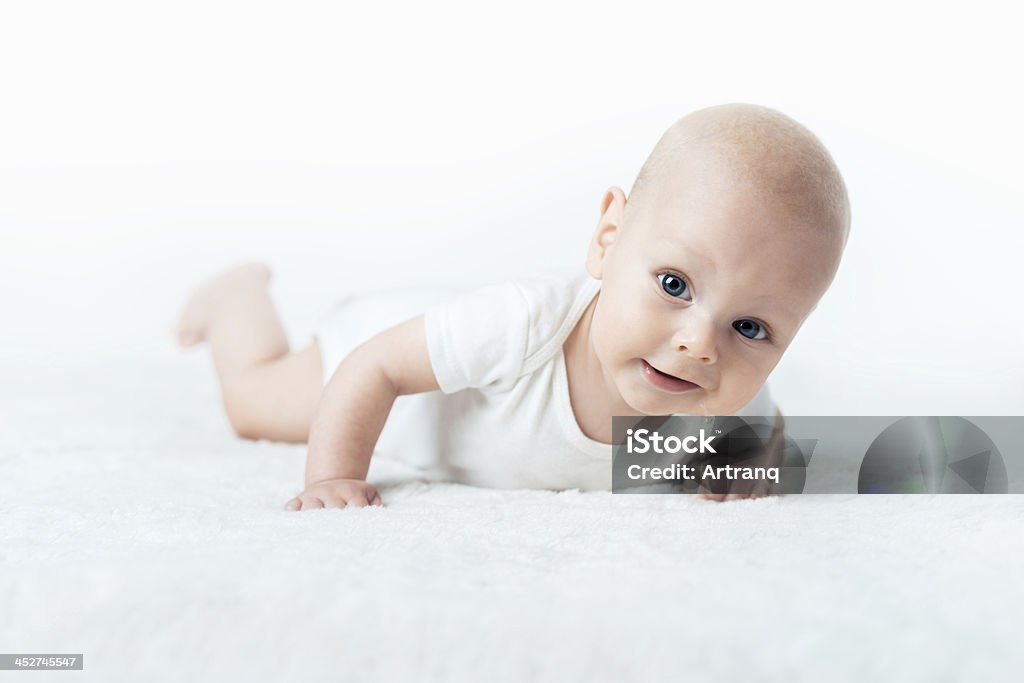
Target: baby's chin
{"x": 696, "y": 402}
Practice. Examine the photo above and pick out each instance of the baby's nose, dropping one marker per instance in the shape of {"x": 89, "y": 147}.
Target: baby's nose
{"x": 697, "y": 339}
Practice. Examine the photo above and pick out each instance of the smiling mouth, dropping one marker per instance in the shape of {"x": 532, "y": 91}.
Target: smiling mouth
{"x": 665, "y": 381}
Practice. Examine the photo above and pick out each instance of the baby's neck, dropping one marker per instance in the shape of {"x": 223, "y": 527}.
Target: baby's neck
{"x": 593, "y": 397}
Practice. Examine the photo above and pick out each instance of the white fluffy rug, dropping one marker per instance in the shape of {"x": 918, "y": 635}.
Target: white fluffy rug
{"x": 136, "y": 529}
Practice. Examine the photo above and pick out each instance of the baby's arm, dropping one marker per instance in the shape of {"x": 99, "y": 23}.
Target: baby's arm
{"x": 352, "y": 411}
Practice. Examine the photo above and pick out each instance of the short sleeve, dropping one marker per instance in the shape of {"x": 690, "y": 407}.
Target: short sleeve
{"x": 478, "y": 338}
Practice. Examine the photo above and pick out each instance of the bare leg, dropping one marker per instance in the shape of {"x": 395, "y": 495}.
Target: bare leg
{"x": 269, "y": 392}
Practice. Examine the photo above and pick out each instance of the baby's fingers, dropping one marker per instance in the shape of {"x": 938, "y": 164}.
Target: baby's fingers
{"x": 358, "y": 501}
{"x": 309, "y": 503}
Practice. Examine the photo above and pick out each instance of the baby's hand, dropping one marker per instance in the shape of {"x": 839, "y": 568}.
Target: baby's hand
{"x": 759, "y": 492}
{"x": 335, "y": 493}
{"x": 770, "y": 454}
{"x": 739, "y": 489}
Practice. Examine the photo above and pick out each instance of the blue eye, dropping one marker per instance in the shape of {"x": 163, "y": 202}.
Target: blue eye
{"x": 674, "y": 286}
{"x": 750, "y": 329}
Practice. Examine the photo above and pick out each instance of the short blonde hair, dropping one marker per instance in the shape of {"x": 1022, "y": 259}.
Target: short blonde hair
{"x": 775, "y": 155}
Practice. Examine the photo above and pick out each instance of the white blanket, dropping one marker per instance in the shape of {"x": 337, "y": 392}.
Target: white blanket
{"x": 137, "y": 530}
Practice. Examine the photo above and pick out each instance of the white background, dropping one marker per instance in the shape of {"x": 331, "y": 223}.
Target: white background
{"x": 144, "y": 146}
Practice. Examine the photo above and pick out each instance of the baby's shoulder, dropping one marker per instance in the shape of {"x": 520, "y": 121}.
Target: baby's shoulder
{"x": 494, "y": 334}
{"x": 554, "y": 304}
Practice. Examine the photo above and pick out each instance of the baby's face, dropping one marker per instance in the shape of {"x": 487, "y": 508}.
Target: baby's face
{"x": 708, "y": 285}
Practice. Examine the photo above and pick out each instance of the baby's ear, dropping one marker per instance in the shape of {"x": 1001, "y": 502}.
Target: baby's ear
{"x": 597, "y": 252}
{"x": 613, "y": 204}
{"x": 613, "y": 201}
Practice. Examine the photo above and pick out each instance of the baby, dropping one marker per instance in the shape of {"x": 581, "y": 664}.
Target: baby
{"x": 694, "y": 287}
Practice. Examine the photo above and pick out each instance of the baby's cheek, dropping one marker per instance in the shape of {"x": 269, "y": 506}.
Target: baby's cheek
{"x": 599, "y": 341}
{"x": 602, "y": 331}
{"x": 630, "y": 339}
{"x": 737, "y": 390}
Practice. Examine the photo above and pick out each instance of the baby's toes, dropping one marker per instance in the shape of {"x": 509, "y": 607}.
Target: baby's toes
{"x": 192, "y": 322}
{"x": 194, "y": 318}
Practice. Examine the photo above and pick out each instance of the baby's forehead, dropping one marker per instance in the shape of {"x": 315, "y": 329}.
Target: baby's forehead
{"x": 742, "y": 249}
{"x": 702, "y": 173}
{"x": 696, "y": 208}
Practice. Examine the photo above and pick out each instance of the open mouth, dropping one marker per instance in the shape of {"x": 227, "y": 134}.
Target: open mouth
{"x": 665, "y": 381}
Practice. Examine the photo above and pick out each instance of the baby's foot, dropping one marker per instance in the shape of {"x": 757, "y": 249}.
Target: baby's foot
{"x": 203, "y": 302}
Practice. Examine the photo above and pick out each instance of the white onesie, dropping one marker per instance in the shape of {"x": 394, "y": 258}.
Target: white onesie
{"x": 502, "y": 418}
